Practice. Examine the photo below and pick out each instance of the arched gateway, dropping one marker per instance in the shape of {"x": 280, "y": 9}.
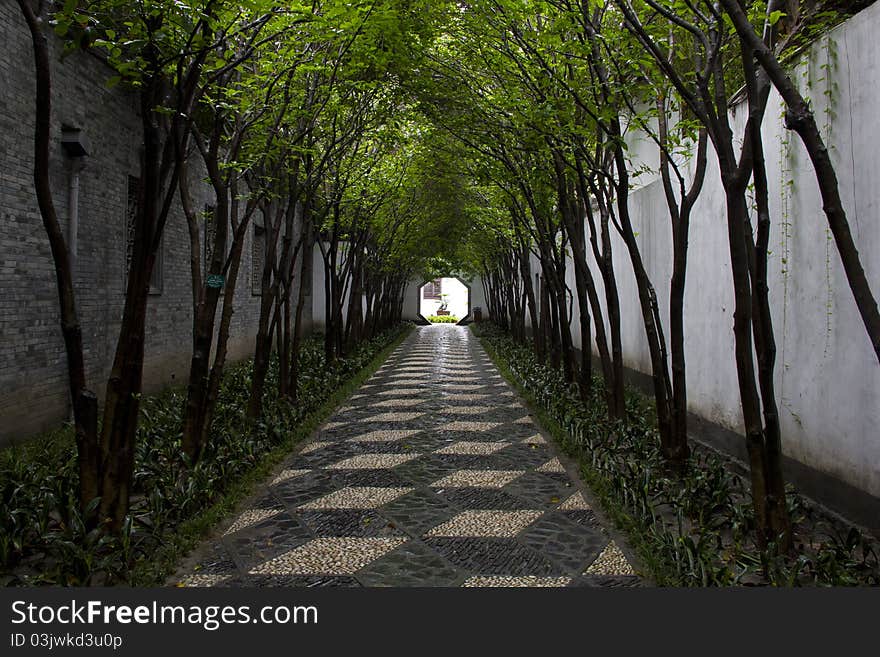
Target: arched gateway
{"x": 444, "y": 299}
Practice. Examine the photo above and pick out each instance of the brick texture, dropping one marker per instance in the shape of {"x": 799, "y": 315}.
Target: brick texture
{"x": 33, "y": 394}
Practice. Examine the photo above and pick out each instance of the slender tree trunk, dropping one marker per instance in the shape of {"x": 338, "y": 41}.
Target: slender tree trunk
{"x": 612, "y": 303}
{"x": 268, "y": 296}
{"x": 673, "y": 453}
{"x": 679, "y": 212}
{"x": 574, "y": 226}
{"x": 216, "y": 377}
{"x": 614, "y": 390}
{"x": 800, "y": 118}
{"x": 207, "y": 299}
{"x": 758, "y": 87}
{"x": 85, "y": 403}
{"x": 531, "y": 300}
{"x": 547, "y": 321}
{"x": 122, "y": 400}
{"x": 587, "y": 286}
{"x": 305, "y": 280}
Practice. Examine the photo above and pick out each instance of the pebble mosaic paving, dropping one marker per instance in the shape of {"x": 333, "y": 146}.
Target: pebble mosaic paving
{"x": 433, "y": 474}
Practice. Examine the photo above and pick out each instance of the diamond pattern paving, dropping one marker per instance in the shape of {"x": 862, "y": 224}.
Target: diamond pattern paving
{"x": 433, "y": 474}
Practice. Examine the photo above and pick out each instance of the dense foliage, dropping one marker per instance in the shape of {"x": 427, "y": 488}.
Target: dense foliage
{"x": 43, "y": 536}
{"x": 694, "y": 530}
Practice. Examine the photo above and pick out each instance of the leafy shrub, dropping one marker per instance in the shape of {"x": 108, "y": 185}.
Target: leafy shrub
{"x": 43, "y": 539}
{"x": 695, "y": 530}
{"x": 442, "y": 319}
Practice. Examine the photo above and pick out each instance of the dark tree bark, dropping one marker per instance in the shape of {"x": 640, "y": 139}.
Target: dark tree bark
{"x": 159, "y": 169}
{"x": 680, "y": 206}
{"x": 612, "y": 362}
{"x": 708, "y": 100}
{"x": 599, "y": 183}
{"x": 84, "y": 401}
{"x": 206, "y": 297}
{"x": 273, "y": 218}
{"x": 574, "y": 223}
{"x": 799, "y": 117}
{"x": 306, "y": 265}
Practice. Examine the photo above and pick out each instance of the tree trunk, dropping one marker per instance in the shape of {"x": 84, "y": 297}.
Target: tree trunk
{"x": 204, "y": 320}
{"x": 674, "y": 453}
{"x": 305, "y": 281}
{"x": 84, "y": 402}
{"x": 216, "y": 378}
{"x": 800, "y": 118}
{"x": 268, "y": 294}
{"x": 122, "y": 400}
{"x": 605, "y": 259}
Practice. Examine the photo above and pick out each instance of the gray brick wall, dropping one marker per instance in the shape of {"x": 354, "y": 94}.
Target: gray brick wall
{"x": 33, "y": 393}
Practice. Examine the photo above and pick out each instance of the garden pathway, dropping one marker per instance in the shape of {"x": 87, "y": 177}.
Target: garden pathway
{"x": 433, "y": 474}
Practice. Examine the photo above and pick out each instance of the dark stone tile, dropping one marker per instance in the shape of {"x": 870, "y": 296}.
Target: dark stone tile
{"x": 266, "y": 540}
{"x": 412, "y": 564}
{"x": 346, "y": 522}
{"x": 543, "y": 490}
{"x": 427, "y": 441}
{"x": 216, "y": 562}
{"x": 520, "y": 457}
{"x": 266, "y": 499}
{"x": 418, "y": 511}
{"x": 491, "y": 436}
{"x": 493, "y": 556}
{"x": 425, "y": 469}
{"x": 583, "y": 517}
{"x": 482, "y": 498}
{"x": 336, "y": 432}
{"x": 420, "y": 423}
{"x": 325, "y": 456}
{"x": 571, "y": 545}
{"x": 515, "y": 431}
{"x": 384, "y": 478}
{"x": 304, "y": 488}
{"x": 461, "y": 461}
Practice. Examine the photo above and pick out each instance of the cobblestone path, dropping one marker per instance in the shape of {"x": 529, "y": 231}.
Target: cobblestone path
{"x": 433, "y": 474}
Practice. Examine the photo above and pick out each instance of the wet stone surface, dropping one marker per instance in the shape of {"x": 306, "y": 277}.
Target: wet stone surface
{"x": 432, "y": 474}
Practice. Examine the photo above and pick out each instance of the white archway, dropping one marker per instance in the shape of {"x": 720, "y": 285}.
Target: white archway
{"x": 447, "y": 296}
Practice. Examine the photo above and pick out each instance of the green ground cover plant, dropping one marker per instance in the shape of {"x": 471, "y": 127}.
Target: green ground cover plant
{"x": 692, "y": 530}
{"x": 44, "y": 538}
{"x": 442, "y": 319}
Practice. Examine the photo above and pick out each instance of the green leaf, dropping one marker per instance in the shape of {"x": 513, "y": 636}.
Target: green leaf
{"x": 775, "y": 16}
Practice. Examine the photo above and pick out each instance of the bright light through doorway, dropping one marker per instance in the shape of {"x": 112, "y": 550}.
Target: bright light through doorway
{"x": 444, "y": 297}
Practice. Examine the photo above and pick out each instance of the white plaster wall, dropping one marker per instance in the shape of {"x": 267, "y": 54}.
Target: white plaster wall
{"x": 827, "y": 375}
{"x": 411, "y": 301}
{"x": 478, "y": 296}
